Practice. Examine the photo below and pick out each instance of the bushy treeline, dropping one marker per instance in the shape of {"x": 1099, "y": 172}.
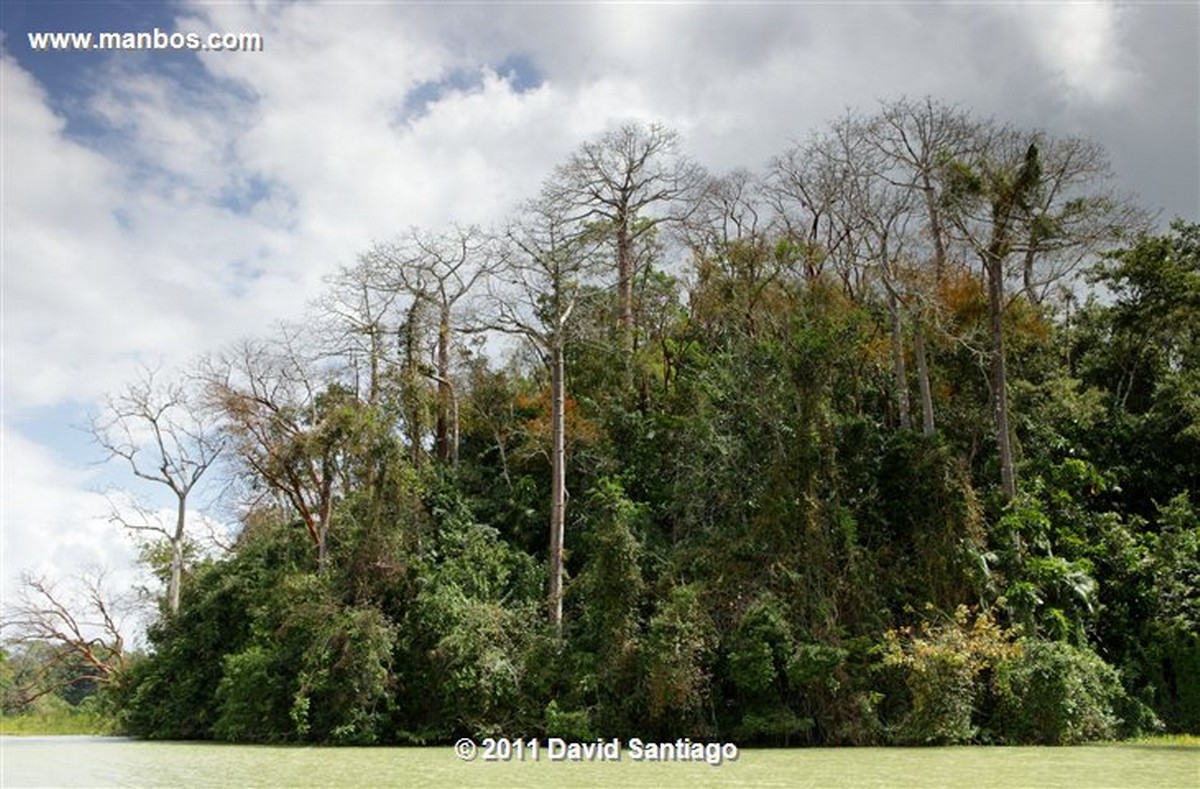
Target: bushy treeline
{"x": 784, "y": 514}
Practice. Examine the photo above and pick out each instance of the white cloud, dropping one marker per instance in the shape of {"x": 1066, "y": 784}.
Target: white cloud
{"x": 1081, "y": 45}
{"x": 55, "y": 523}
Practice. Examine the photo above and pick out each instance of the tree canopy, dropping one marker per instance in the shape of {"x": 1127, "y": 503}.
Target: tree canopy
{"x": 756, "y": 532}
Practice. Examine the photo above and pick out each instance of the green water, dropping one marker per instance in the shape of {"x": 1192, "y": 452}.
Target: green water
{"x": 104, "y": 762}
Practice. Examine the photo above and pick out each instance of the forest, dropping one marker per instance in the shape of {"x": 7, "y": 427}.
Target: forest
{"x": 894, "y": 441}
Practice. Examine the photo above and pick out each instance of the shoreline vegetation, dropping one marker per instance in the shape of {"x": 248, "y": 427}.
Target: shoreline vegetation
{"x": 894, "y": 443}
{"x": 57, "y": 722}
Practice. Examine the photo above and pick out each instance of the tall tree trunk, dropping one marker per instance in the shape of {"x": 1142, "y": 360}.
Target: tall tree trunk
{"x": 935, "y": 229}
{"x": 372, "y": 402}
{"x": 324, "y": 514}
{"x": 899, "y": 369}
{"x": 625, "y": 293}
{"x": 995, "y": 276}
{"x": 558, "y": 482}
{"x": 411, "y": 378}
{"x": 939, "y": 273}
{"x": 1006, "y": 204}
{"x": 177, "y": 553}
{"x": 442, "y": 430}
{"x": 454, "y": 425}
{"x": 1027, "y": 279}
{"x": 927, "y": 425}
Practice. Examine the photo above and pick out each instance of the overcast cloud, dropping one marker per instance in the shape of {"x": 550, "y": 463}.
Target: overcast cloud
{"x": 159, "y": 205}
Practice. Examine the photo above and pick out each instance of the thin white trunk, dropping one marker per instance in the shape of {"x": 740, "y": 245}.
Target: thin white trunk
{"x": 558, "y": 484}
{"x": 927, "y": 424}
{"x": 1008, "y": 479}
{"x": 899, "y": 368}
{"x": 177, "y": 554}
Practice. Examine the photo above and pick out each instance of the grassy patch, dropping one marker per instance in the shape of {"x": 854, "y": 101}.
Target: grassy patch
{"x": 1169, "y": 740}
{"x": 56, "y": 720}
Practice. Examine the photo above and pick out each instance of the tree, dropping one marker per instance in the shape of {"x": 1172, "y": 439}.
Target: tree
{"x": 158, "y": 429}
{"x": 915, "y": 139}
{"x": 1073, "y": 215}
{"x": 1021, "y": 195}
{"x": 360, "y": 310}
{"x": 731, "y": 243}
{"x": 804, "y": 187}
{"x": 550, "y": 256}
{"x": 78, "y": 638}
{"x": 629, "y": 181}
{"x": 878, "y": 212}
{"x": 290, "y": 423}
{"x": 438, "y": 270}
{"x": 990, "y": 199}
{"x": 1142, "y": 349}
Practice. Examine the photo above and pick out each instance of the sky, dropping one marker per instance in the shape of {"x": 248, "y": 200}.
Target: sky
{"x": 156, "y": 205}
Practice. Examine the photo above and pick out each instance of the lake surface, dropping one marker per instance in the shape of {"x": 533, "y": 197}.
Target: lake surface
{"x": 117, "y": 762}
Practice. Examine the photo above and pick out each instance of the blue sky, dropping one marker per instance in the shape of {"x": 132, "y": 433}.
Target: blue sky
{"x": 159, "y": 205}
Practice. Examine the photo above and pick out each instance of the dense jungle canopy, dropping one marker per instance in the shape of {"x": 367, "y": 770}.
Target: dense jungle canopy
{"x": 895, "y": 441}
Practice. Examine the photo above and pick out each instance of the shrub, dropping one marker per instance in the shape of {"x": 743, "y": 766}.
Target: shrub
{"x": 942, "y": 664}
{"x": 1053, "y": 693}
{"x": 570, "y": 725}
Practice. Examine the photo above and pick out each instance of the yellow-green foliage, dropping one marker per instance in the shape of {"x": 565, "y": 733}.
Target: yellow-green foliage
{"x": 52, "y": 715}
{"x": 942, "y": 661}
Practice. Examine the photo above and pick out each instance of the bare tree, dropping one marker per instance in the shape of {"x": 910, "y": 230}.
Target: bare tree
{"x": 880, "y": 213}
{"x": 915, "y": 139}
{"x": 804, "y": 185}
{"x": 78, "y": 636}
{"x": 912, "y": 139}
{"x": 549, "y": 258}
{"x": 290, "y": 424}
{"x": 360, "y": 312}
{"x": 158, "y": 429}
{"x": 729, "y": 236}
{"x": 729, "y": 209}
{"x": 629, "y": 181}
{"x": 1073, "y": 213}
{"x": 439, "y": 270}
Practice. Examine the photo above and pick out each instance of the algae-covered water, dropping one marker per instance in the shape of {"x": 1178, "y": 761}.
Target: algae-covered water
{"x": 117, "y": 762}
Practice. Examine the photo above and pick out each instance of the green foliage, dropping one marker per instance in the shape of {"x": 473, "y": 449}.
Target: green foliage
{"x": 172, "y": 694}
{"x": 763, "y": 664}
{"x": 1143, "y": 351}
{"x": 53, "y": 715}
{"x": 574, "y": 725}
{"x": 1172, "y": 662}
{"x": 605, "y": 608}
{"x": 933, "y": 533}
{"x": 337, "y": 663}
{"x": 610, "y": 586}
{"x": 473, "y": 617}
{"x": 759, "y": 649}
{"x": 748, "y": 529}
{"x": 249, "y": 697}
{"x": 1054, "y": 693}
{"x": 678, "y": 653}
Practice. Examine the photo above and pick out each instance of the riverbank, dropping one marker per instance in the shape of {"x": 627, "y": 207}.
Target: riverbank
{"x": 1164, "y": 740}
{"x": 45, "y": 724}
{"x": 86, "y": 723}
